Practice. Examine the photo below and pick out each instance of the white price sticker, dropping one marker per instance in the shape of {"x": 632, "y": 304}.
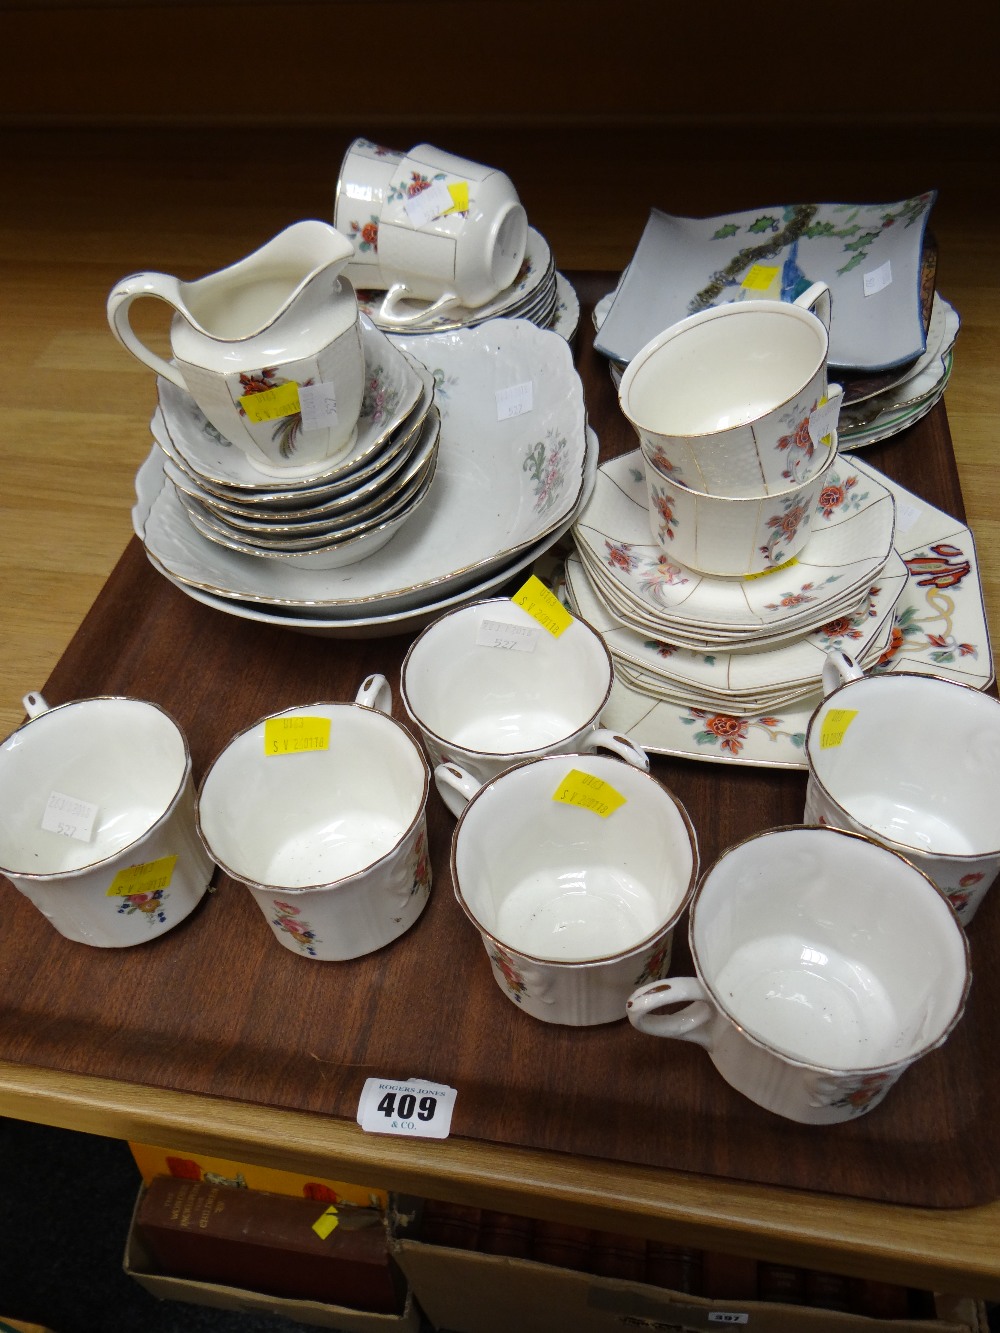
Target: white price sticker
{"x": 515, "y": 401}
{"x": 414, "y": 1108}
{"x": 515, "y": 638}
{"x": 727, "y": 1317}
{"x": 69, "y": 816}
{"x": 318, "y": 405}
{"x": 823, "y": 421}
{"x": 428, "y": 204}
{"x": 907, "y": 515}
{"x": 877, "y": 279}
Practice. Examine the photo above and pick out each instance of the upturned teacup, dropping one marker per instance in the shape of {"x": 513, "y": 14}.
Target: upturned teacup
{"x": 488, "y": 687}
{"x": 97, "y": 825}
{"x": 575, "y": 870}
{"x": 825, "y": 965}
{"x": 319, "y": 811}
{"x": 734, "y": 400}
{"x": 439, "y": 230}
{"x": 913, "y": 761}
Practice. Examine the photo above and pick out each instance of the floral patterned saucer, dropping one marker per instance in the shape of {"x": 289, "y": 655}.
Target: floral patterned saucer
{"x": 851, "y": 541}
{"x": 393, "y": 387}
{"x": 939, "y": 628}
{"x": 746, "y": 679}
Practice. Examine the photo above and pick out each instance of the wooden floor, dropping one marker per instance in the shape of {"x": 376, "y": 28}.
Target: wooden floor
{"x": 83, "y": 207}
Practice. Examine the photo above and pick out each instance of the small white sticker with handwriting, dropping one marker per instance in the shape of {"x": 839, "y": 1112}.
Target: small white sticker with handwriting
{"x": 727, "y": 1317}
{"x": 877, "y": 279}
{"x": 515, "y": 638}
{"x": 69, "y": 816}
{"x": 428, "y": 204}
{"x": 318, "y": 405}
{"x": 415, "y": 1108}
{"x": 515, "y": 400}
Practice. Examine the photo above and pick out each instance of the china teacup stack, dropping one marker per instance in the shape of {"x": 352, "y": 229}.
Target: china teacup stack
{"x": 440, "y": 241}
{"x": 290, "y": 427}
{"x": 737, "y": 477}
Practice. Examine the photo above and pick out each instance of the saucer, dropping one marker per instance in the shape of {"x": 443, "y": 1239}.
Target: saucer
{"x": 939, "y": 628}
{"x": 742, "y": 676}
{"x": 537, "y": 271}
{"x": 392, "y": 389}
{"x": 851, "y": 541}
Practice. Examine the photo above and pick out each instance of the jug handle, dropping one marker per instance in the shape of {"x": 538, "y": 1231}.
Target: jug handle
{"x": 129, "y": 289}
{"x": 398, "y": 292}
{"x": 34, "y": 704}
{"x": 455, "y": 787}
{"x": 818, "y": 300}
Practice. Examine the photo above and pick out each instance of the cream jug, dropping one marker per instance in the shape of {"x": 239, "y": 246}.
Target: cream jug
{"x": 270, "y": 349}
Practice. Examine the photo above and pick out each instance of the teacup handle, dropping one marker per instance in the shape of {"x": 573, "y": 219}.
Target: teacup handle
{"x": 455, "y": 786}
{"x": 838, "y": 669}
{"x": 399, "y": 292}
{"x": 375, "y": 692}
{"x": 620, "y": 746}
{"x": 129, "y": 289}
{"x": 817, "y": 299}
{"x": 690, "y": 1024}
{"x": 34, "y": 704}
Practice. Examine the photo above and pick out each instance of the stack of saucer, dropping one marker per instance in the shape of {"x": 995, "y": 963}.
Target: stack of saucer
{"x": 539, "y": 293}
{"x": 323, "y": 515}
{"x": 739, "y": 645}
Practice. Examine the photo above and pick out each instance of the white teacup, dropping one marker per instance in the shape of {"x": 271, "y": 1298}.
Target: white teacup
{"x": 488, "y": 687}
{"x": 733, "y": 536}
{"x": 911, "y": 760}
{"x": 449, "y": 231}
{"x": 734, "y": 400}
{"x": 363, "y": 182}
{"x": 319, "y": 811}
{"x": 575, "y": 897}
{"x": 97, "y": 822}
{"x": 826, "y": 965}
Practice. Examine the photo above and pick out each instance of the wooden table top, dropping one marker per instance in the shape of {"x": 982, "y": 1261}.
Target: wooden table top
{"x": 121, "y": 1050}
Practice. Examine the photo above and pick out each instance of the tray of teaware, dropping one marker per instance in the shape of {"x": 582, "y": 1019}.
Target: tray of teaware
{"x": 217, "y": 1007}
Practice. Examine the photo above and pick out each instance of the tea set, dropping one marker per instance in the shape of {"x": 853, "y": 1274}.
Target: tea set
{"x": 364, "y": 465}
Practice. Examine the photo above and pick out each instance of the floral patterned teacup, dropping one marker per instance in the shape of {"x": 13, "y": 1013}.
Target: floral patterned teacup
{"x": 429, "y": 227}
{"x": 97, "y": 823}
{"x": 488, "y": 687}
{"x": 913, "y": 761}
{"x": 734, "y": 400}
{"x": 319, "y": 811}
{"x": 826, "y": 965}
{"x": 575, "y": 870}
{"x": 730, "y": 536}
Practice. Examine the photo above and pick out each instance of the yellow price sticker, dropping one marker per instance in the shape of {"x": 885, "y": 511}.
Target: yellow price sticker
{"x": 281, "y": 401}
{"x": 834, "y": 728}
{"x": 543, "y": 606}
{"x": 760, "y": 277}
{"x": 766, "y": 573}
{"x": 296, "y": 734}
{"x": 590, "y": 792}
{"x": 145, "y": 878}
{"x": 460, "y": 197}
{"x": 326, "y": 1222}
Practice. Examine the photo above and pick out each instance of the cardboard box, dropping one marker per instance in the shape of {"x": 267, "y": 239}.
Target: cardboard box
{"x": 139, "y": 1264}
{"x": 219, "y": 1170}
{"x": 466, "y": 1291}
